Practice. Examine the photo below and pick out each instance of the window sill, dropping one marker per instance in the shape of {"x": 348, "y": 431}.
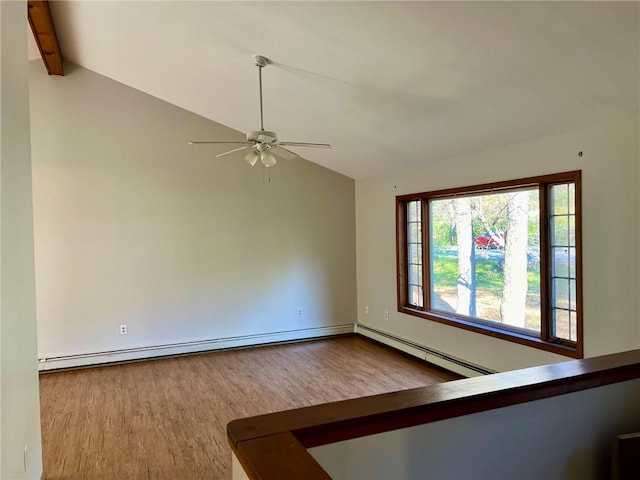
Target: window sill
{"x": 496, "y": 332}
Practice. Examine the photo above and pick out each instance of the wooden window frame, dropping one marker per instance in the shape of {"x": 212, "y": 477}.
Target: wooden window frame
{"x": 543, "y": 340}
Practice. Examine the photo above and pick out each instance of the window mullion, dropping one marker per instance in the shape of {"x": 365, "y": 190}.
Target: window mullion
{"x": 545, "y": 265}
{"x": 426, "y": 254}
{"x": 401, "y": 252}
{"x": 577, "y": 198}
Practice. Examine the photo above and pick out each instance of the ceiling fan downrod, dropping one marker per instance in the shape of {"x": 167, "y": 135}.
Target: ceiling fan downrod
{"x": 261, "y": 62}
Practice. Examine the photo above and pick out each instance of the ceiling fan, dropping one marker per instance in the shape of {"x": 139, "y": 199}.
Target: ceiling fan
{"x": 263, "y": 144}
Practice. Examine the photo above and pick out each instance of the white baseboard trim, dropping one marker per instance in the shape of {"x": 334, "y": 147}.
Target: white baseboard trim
{"x": 430, "y": 355}
{"x": 443, "y": 360}
{"x": 141, "y": 353}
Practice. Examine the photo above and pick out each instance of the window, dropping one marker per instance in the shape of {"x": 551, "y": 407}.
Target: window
{"x": 499, "y": 259}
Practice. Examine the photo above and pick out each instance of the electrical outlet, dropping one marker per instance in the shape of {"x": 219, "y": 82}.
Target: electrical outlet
{"x": 25, "y": 458}
{"x": 299, "y": 312}
{"x": 386, "y": 315}
{"x": 123, "y": 329}
{"x": 366, "y": 309}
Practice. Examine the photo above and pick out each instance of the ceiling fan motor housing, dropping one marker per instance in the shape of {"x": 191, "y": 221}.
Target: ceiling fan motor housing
{"x": 262, "y": 136}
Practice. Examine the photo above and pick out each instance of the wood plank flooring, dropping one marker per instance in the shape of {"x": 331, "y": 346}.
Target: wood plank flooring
{"x": 166, "y": 419}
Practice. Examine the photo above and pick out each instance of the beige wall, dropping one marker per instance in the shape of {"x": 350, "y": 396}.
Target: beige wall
{"x": 133, "y": 226}
{"x": 611, "y": 226}
{"x": 19, "y": 397}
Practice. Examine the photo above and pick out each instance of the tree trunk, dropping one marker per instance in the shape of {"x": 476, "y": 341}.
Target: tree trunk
{"x": 514, "y": 292}
{"x": 466, "y": 259}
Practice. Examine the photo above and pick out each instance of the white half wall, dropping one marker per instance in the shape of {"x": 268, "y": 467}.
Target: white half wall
{"x": 565, "y": 437}
{"x": 20, "y": 451}
{"x": 135, "y": 227}
{"x": 611, "y": 228}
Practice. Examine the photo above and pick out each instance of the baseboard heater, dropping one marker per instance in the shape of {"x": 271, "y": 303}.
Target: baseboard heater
{"x": 141, "y": 353}
{"x": 425, "y": 353}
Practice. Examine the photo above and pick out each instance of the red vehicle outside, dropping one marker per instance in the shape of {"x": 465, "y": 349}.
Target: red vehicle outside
{"x": 486, "y": 241}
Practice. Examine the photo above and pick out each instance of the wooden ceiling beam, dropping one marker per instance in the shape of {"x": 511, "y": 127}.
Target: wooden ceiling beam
{"x": 44, "y": 33}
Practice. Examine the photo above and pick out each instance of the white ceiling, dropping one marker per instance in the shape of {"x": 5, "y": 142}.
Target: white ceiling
{"x": 389, "y": 84}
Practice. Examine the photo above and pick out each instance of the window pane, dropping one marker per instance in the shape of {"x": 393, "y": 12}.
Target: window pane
{"x": 572, "y": 262}
{"x": 572, "y": 294}
{"x": 560, "y": 199}
{"x": 572, "y": 231}
{"x": 413, "y": 212}
{"x": 572, "y": 198}
{"x": 414, "y": 253}
{"x": 565, "y": 324}
{"x": 485, "y": 257}
{"x": 562, "y": 324}
{"x": 560, "y": 262}
{"x": 415, "y": 296}
{"x": 415, "y": 274}
{"x": 560, "y": 292}
{"x": 563, "y": 266}
{"x": 414, "y": 232}
{"x": 560, "y": 230}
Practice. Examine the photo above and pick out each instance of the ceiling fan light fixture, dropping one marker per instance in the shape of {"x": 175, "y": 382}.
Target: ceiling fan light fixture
{"x": 267, "y": 158}
{"x": 252, "y": 157}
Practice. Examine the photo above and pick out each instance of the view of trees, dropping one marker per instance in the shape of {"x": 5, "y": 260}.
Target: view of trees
{"x": 485, "y": 256}
{"x": 466, "y": 257}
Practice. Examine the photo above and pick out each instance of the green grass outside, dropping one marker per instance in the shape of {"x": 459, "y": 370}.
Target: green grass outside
{"x": 488, "y": 275}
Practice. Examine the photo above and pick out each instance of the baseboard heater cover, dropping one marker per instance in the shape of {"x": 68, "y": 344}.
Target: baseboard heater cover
{"x": 141, "y": 353}
{"x": 430, "y": 355}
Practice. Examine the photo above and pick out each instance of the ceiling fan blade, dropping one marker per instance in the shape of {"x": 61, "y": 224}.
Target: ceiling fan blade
{"x": 191, "y": 142}
{"x": 304, "y": 144}
{"x": 284, "y": 153}
{"x": 231, "y": 151}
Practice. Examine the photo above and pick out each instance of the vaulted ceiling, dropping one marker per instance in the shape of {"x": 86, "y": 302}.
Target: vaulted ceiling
{"x": 389, "y": 84}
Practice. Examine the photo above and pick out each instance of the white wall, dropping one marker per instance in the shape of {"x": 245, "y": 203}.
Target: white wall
{"x": 611, "y": 227}
{"x": 565, "y": 437}
{"x": 19, "y": 397}
{"x": 133, "y": 226}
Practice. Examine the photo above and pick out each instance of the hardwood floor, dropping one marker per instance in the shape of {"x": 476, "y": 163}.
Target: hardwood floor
{"x": 166, "y": 419}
